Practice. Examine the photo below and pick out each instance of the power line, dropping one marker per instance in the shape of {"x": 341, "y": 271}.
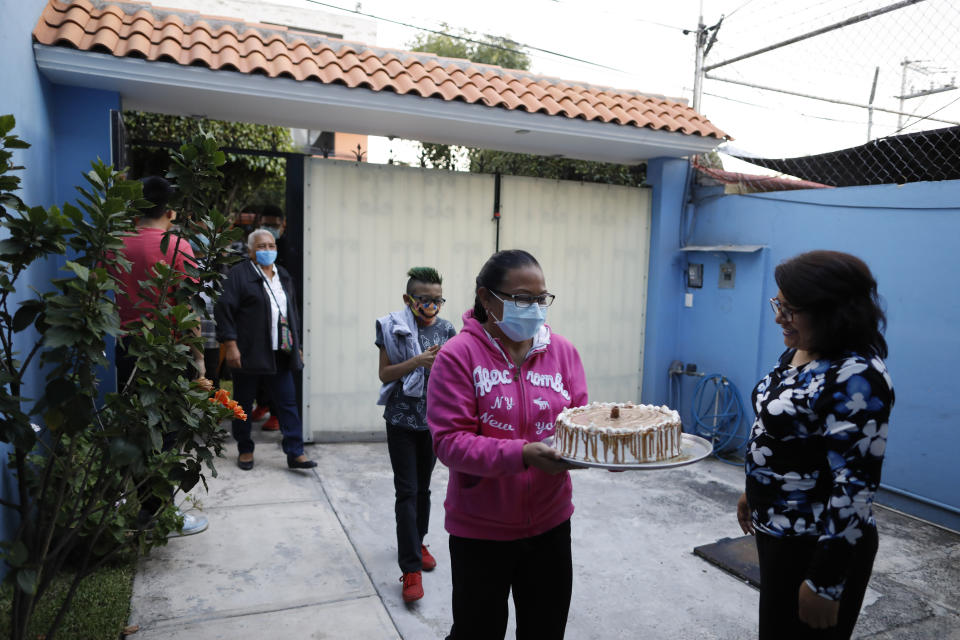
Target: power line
{"x": 780, "y": 108}
{"x": 471, "y": 40}
{"x": 593, "y": 9}
{"x": 738, "y": 8}
{"x": 921, "y": 119}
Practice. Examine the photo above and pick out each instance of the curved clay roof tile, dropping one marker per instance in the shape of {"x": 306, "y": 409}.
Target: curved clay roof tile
{"x": 226, "y": 57}
{"x": 355, "y": 76}
{"x": 471, "y": 93}
{"x": 76, "y": 13}
{"x": 305, "y": 69}
{"x": 168, "y": 49}
{"x": 395, "y": 68}
{"x": 140, "y": 30}
{"x": 110, "y": 20}
{"x": 70, "y": 32}
{"x": 492, "y": 97}
{"x": 403, "y": 84}
{"x": 380, "y": 81}
{"x": 326, "y": 57}
{"x": 513, "y": 101}
{"x": 549, "y": 105}
{"x": 426, "y": 87}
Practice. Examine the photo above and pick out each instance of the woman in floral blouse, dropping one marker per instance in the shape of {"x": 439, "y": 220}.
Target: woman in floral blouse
{"x": 816, "y": 448}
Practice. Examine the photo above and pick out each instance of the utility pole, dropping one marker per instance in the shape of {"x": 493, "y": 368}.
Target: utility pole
{"x": 873, "y": 94}
{"x": 914, "y": 65}
{"x": 698, "y": 65}
{"x": 706, "y": 37}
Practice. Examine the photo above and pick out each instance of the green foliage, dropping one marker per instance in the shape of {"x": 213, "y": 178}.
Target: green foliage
{"x": 506, "y": 53}
{"x": 469, "y": 45}
{"x": 247, "y": 179}
{"x": 522, "y": 164}
{"x": 107, "y": 591}
{"x": 86, "y": 470}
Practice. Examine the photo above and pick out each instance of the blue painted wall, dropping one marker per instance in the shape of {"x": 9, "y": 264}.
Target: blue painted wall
{"x": 67, "y": 127}
{"x": 25, "y": 94}
{"x": 908, "y": 236}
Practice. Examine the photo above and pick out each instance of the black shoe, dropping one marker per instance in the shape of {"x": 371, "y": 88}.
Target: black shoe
{"x": 306, "y": 464}
{"x": 246, "y": 465}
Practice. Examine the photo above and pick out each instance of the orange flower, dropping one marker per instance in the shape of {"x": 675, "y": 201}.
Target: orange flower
{"x": 223, "y": 397}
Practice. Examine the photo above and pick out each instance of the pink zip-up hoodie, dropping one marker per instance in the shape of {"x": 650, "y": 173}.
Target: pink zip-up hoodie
{"x": 481, "y": 411}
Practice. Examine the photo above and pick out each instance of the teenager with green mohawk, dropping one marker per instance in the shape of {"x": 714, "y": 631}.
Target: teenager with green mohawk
{"x": 409, "y": 340}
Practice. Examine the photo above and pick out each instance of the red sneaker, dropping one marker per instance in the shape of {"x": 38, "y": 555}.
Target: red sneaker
{"x": 427, "y": 561}
{"x": 272, "y": 424}
{"x": 259, "y": 413}
{"x": 412, "y": 586}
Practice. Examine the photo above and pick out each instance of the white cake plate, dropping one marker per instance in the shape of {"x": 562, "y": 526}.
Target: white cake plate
{"x": 692, "y": 449}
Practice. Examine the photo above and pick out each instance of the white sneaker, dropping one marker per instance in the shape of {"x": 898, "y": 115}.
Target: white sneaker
{"x": 191, "y": 524}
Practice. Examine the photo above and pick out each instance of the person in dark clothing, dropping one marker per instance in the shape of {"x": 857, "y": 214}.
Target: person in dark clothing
{"x": 409, "y": 340}
{"x": 258, "y": 324}
{"x": 816, "y": 449}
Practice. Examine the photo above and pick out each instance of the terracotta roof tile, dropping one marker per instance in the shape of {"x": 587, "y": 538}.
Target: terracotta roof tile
{"x": 188, "y": 38}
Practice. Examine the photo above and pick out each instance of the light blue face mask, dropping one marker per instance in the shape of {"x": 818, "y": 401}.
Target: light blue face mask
{"x": 266, "y": 257}
{"x": 521, "y": 324}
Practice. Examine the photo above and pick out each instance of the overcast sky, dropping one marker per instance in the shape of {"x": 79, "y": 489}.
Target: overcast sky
{"x": 640, "y": 45}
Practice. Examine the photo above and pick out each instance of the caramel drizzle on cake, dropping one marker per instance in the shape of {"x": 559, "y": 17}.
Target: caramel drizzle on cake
{"x": 614, "y": 433}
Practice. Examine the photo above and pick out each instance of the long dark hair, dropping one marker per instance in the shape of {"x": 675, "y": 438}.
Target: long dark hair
{"x": 839, "y": 295}
{"x": 494, "y": 272}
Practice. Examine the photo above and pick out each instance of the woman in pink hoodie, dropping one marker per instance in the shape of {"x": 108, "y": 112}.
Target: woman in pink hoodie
{"x": 494, "y": 393}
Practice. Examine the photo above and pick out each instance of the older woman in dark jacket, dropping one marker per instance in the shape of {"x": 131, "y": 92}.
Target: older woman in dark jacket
{"x": 257, "y": 323}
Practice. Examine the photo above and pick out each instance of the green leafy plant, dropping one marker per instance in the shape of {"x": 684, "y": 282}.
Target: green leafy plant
{"x": 247, "y": 179}
{"x": 504, "y": 52}
{"x": 86, "y": 461}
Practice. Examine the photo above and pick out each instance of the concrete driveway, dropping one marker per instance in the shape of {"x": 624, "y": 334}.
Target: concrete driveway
{"x": 312, "y": 554}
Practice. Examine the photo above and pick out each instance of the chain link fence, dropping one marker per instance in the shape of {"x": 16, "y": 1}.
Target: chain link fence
{"x": 856, "y": 91}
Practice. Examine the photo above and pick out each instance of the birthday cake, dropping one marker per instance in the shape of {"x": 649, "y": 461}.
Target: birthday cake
{"x": 618, "y": 433}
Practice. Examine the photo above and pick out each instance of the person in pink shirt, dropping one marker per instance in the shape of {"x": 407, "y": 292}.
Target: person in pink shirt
{"x": 143, "y": 250}
{"x": 494, "y": 393}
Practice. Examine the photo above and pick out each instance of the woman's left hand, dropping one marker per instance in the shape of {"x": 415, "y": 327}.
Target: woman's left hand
{"x": 539, "y": 455}
{"x": 814, "y": 611}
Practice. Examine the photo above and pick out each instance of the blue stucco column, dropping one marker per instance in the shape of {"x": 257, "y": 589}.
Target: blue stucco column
{"x": 667, "y": 177}
{"x": 67, "y": 128}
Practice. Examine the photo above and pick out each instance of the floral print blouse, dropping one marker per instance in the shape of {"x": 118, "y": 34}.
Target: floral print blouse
{"x": 814, "y": 456}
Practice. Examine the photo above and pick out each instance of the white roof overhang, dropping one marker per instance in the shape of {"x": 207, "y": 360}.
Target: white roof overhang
{"x": 166, "y": 87}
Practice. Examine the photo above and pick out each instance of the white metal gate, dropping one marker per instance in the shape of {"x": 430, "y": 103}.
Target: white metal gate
{"x": 365, "y": 225}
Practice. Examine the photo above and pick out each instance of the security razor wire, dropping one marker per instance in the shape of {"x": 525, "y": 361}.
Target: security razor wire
{"x": 842, "y": 92}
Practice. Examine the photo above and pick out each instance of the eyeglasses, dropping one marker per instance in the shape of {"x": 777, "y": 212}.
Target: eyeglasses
{"x": 782, "y": 309}
{"x": 524, "y": 301}
{"x": 424, "y": 300}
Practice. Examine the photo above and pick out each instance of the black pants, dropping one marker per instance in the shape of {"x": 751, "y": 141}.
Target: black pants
{"x": 283, "y": 396}
{"x": 412, "y": 459}
{"x": 783, "y": 566}
{"x": 539, "y": 570}
{"x": 211, "y": 362}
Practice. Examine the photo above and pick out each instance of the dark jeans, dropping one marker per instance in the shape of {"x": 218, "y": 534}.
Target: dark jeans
{"x": 783, "y": 566}
{"x": 211, "y": 362}
{"x": 412, "y": 459}
{"x": 539, "y": 570}
{"x": 283, "y": 405}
